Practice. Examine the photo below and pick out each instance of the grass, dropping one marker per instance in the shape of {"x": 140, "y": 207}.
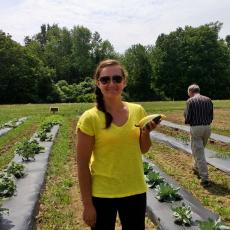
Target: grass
{"x": 56, "y": 203}
{"x": 60, "y": 203}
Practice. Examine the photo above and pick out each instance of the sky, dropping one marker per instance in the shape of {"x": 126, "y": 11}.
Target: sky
{"x": 123, "y": 22}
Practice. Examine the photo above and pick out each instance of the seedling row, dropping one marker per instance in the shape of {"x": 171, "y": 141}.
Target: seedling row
{"x": 167, "y": 204}
{"x": 26, "y": 166}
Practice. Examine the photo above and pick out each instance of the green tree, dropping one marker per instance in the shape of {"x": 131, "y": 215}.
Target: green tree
{"x": 192, "y": 55}
{"x": 80, "y": 56}
{"x": 101, "y": 50}
{"x": 140, "y": 72}
{"x": 227, "y": 39}
{"x": 21, "y": 72}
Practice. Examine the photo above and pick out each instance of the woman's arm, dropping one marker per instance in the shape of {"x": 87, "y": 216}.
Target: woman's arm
{"x": 85, "y": 145}
{"x": 145, "y": 141}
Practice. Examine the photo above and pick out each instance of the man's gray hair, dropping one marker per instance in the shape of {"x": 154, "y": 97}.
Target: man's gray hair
{"x": 194, "y": 88}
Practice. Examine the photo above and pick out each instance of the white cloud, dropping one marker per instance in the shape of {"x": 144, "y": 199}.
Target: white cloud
{"x": 122, "y": 22}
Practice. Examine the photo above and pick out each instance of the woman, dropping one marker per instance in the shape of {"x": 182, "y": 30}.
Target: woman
{"x": 109, "y": 148}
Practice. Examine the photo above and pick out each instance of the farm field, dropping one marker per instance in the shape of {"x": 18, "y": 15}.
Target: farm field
{"x": 60, "y": 206}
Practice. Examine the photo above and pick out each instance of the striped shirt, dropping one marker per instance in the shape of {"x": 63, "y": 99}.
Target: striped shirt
{"x": 199, "y": 111}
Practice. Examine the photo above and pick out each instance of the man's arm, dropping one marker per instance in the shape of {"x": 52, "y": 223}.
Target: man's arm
{"x": 187, "y": 113}
{"x": 211, "y": 111}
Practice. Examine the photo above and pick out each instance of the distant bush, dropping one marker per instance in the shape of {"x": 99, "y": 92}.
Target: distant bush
{"x": 89, "y": 97}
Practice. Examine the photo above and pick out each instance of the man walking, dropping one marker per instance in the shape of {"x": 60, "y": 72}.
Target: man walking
{"x": 199, "y": 115}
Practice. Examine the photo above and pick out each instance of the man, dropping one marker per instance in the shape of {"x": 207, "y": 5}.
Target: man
{"x": 199, "y": 115}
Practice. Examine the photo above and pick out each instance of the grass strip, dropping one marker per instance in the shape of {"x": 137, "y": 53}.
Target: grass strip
{"x": 56, "y": 210}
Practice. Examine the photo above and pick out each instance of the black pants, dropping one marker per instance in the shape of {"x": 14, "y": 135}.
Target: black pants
{"x": 131, "y": 212}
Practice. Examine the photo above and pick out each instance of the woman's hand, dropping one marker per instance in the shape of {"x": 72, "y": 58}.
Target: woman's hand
{"x": 89, "y": 215}
{"x": 145, "y": 141}
{"x": 149, "y": 127}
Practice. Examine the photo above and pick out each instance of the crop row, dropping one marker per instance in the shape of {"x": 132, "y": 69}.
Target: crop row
{"x": 26, "y": 167}
{"x": 195, "y": 217}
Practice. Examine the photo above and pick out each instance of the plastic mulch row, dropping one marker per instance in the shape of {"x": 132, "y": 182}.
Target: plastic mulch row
{"x": 6, "y": 130}
{"x": 211, "y": 157}
{"x": 23, "y": 206}
{"x": 162, "y": 215}
{"x": 213, "y": 136}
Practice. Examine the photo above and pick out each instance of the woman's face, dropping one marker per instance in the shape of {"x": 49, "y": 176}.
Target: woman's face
{"x": 111, "y": 81}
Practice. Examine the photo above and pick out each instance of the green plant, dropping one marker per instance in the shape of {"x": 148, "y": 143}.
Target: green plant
{"x": 147, "y": 167}
{"x": 211, "y": 224}
{"x": 89, "y": 97}
{"x": 35, "y": 146}
{"x": 46, "y": 126}
{"x": 3, "y": 211}
{"x": 28, "y": 149}
{"x": 165, "y": 192}
{"x": 183, "y": 215}
{"x": 16, "y": 169}
{"x": 7, "y": 185}
{"x": 42, "y": 135}
{"x": 153, "y": 179}
{"x": 11, "y": 124}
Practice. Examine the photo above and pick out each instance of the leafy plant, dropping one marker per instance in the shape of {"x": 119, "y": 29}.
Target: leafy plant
{"x": 147, "y": 167}
{"x": 10, "y": 124}
{"x": 183, "y": 215}
{"x": 43, "y": 136}
{"x": 7, "y": 185}
{"x": 35, "y": 146}
{"x": 16, "y": 169}
{"x": 3, "y": 211}
{"x": 211, "y": 224}
{"x": 167, "y": 193}
{"x": 47, "y": 126}
{"x": 28, "y": 149}
{"x": 153, "y": 179}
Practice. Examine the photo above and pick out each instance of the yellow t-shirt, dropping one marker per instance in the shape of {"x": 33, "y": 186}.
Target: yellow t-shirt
{"x": 116, "y": 162}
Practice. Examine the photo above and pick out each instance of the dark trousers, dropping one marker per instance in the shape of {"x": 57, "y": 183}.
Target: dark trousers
{"x": 131, "y": 212}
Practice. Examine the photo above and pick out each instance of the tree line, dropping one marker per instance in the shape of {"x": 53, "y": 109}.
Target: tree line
{"x": 57, "y": 65}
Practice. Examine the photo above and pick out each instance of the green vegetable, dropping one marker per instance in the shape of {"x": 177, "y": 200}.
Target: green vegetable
{"x": 167, "y": 193}
{"x": 211, "y": 224}
{"x": 28, "y": 149}
{"x": 147, "y": 167}
{"x": 16, "y": 169}
{"x": 3, "y": 211}
{"x": 153, "y": 179}
{"x": 183, "y": 215}
{"x": 7, "y": 185}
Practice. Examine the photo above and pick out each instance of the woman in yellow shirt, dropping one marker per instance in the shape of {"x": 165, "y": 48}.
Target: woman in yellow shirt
{"x": 109, "y": 148}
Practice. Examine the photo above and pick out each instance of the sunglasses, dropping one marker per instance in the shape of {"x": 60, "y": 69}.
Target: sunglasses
{"x": 116, "y": 79}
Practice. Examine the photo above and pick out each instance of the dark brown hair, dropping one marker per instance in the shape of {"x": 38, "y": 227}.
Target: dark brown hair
{"x": 99, "y": 95}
